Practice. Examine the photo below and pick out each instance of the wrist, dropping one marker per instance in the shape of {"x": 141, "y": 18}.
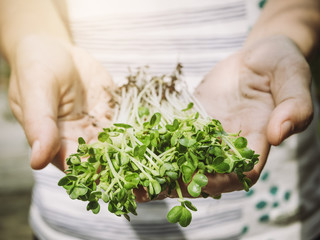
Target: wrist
{"x": 298, "y": 20}
{"x": 20, "y": 20}
{"x": 29, "y": 42}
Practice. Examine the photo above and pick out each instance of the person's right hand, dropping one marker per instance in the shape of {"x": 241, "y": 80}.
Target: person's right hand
{"x": 58, "y": 93}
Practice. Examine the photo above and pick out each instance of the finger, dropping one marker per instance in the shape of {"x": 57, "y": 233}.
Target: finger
{"x": 67, "y": 147}
{"x": 39, "y": 101}
{"x": 294, "y": 109}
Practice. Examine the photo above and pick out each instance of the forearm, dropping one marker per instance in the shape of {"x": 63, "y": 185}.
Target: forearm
{"x": 297, "y": 19}
{"x": 20, "y": 19}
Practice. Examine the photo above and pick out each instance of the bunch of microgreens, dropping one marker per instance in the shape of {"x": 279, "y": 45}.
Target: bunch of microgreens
{"x": 160, "y": 135}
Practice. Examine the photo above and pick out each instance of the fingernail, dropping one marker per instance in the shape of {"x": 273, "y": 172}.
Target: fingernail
{"x": 286, "y": 130}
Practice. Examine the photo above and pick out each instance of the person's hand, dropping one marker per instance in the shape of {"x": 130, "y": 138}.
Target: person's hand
{"x": 58, "y": 93}
{"x": 264, "y": 91}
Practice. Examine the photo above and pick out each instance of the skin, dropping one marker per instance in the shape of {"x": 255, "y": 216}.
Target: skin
{"x": 265, "y": 93}
{"x": 52, "y": 92}
{"x": 58, "y": 92}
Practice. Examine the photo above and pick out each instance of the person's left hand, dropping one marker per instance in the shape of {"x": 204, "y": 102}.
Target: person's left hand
{"x": 262, "y": 91}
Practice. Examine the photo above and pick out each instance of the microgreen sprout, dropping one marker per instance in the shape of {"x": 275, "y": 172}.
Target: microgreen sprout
{"x": 160, "y": 135}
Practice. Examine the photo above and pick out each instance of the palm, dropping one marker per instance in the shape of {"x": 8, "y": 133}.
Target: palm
{"x": 58, "y": 93}
{"x": 240, "y": 99}
{"x": 247, "y": 92}
{"x": 89, "y": 111}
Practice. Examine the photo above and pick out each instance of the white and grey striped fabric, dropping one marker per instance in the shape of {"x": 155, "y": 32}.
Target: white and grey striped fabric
{"x": 122, "y": 34}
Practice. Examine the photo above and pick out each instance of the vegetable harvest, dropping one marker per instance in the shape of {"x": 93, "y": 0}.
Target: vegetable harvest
{"x": 160, "y": 134}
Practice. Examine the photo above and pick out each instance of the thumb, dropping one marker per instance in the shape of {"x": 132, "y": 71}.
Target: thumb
{"x": 39, "y": 116}
{"x": 293, "y": 107}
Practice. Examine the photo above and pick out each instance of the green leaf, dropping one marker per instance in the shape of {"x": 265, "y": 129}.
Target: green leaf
{"x": 174, "y": 140}
{"x": 155, "y": 119}
{"x": 194, "y": 159}
{"x": 190, "y": 105}
{"x": 215, "y": 150}
{"x": 81, "y": 140}
{"x": 240, "y": 142}
{"x": 217, "y": 196}
{"x": 105, "y": 197}
{"x": 130, "y": 185}
{"x": 92, "y": 160}
{"x": 185, "y": 217}
{"x": 132, "y": 181}
{"x": 189, "y": 205}
{"x": 174, "y": 126}
{"x": 111, "y": 207}
{"x": 122, "y": 125}
{"x": 187, "y": 142}
{"x": 75, "y": 160}
{"x": 200, "y": 136}
{"x": 246, "y": 152}
{"x": 126, "y": 216}
{"x": 142, "y": 151}
{"x": 136, "y": 151}
{"x": 156, "y": 186}
{"x": 102, "y": 137}
{"x": 166, "y": 167}
{"x": 246, "y": 183}
{"x": 160, "y": 180}
{"x": 174, "y": 214}
{"x": 187, "y": 173}
{"x": 146, "y": 140}
{"x": 143, "y": 111}
{"x": 146, "y": 183}
{"x": 95, "y": 195}
{"x": 200, "y": 179}
{"x": 150, "y": 190}
{"x": 124, "y": 159}
{"x": 63, "y": 181}
{"x": 172, "y": 175}
{"x": 80, "y": 190}
{"x": 220, "y": 166}
{"x": 122, "y": 196}
{"x": 194, "y": 189}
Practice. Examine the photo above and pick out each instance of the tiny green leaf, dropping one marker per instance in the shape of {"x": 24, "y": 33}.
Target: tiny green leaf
{"x": 190, "y": 105}
{"x": 143, "y": 111}
{"x": 194, "y": 189}
{"x": 64, "y": 181}
{"x": 189, "y": 205}
{"x": 185, "y": 217}
{"x": 155, "y": 119}
{"x": 81, "y": 140}
{"x": 240, "y": 142}
{"x": 200, "y": 179}
{"x": 156, "y": 187}
{"x": 187, "y": 142}
{"x": 102, "y": 137}
{"x": 187, "y": 173}
{"x": 174, "y": 214}
{"x": 122, "y": 125}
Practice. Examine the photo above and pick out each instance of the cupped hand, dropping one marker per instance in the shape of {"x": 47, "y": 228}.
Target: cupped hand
{"x": 58, "y": 93}
{"x": 264, "y": 91}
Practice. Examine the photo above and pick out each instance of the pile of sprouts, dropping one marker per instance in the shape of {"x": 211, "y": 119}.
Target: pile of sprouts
{"x": 160, "y": 135}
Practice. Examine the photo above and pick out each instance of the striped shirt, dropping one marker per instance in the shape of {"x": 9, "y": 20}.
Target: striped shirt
{"x": 122, "y": 34}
